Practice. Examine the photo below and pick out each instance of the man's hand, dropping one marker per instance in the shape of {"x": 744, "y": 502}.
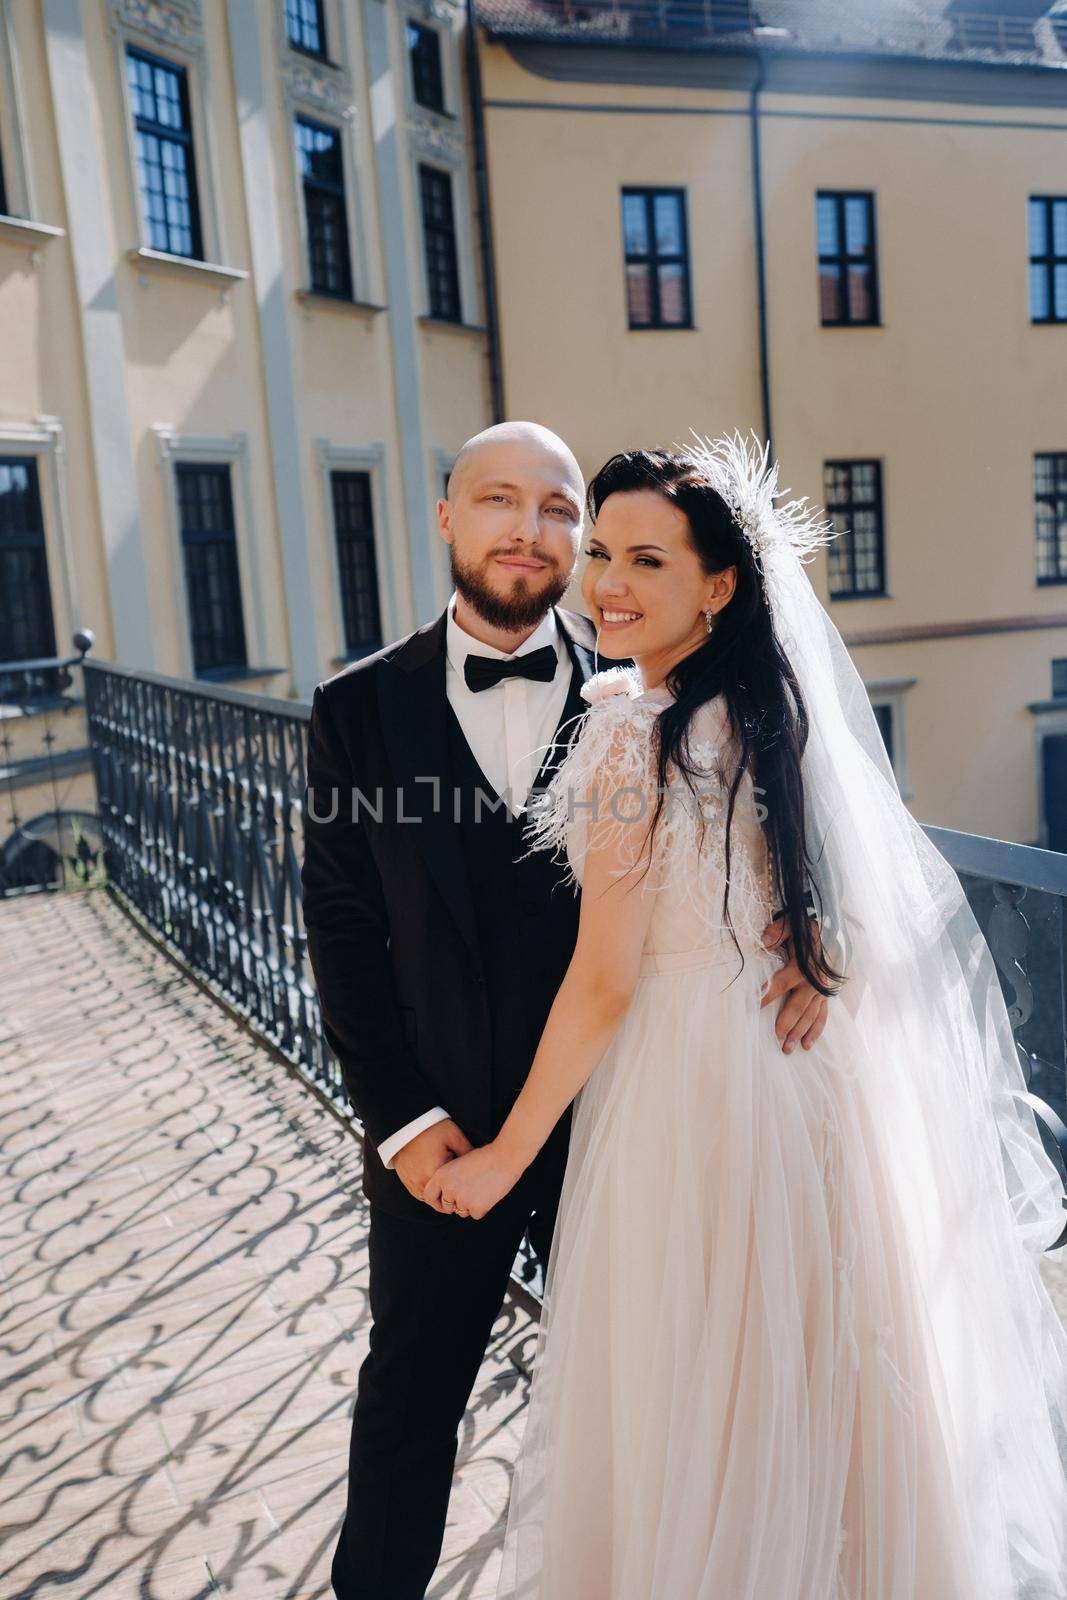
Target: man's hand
{"x": 473, "y": 1186}
{"x": 802, "y": 1015}
{"x": 418, "y": 1160}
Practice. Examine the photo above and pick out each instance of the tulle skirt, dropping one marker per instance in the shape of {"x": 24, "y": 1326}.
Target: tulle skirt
{"x": 750, "y": 1381}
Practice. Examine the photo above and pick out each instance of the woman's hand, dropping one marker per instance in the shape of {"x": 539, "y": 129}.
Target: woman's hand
{"x": 472, "y": 1184}
{"x": 802, "y": 1015}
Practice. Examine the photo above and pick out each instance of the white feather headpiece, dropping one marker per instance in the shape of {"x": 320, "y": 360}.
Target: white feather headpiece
{"x": 737, "y": 468}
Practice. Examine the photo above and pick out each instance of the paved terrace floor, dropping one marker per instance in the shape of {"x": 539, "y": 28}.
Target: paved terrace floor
{"x": 183, "y": 1245}
{"x": 183, "y": 1302}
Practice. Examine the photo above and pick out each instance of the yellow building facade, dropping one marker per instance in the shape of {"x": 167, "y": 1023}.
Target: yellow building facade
{"x": 252, "y": 300}
{"x": 938, "y": 414}
{"x": 242, "y": 317}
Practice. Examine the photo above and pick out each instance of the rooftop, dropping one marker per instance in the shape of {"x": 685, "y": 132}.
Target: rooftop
{"x": 1031, "y": 33}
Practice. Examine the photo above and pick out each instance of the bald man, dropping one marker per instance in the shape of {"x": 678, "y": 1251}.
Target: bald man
{"x": 437, "y": 952}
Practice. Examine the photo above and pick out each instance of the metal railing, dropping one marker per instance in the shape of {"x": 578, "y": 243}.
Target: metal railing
{"x": 1018, "y": 894}
{"x": 791, "y": 25}
{"x": 45, "y": 842}
{"x": 200, "y": 793}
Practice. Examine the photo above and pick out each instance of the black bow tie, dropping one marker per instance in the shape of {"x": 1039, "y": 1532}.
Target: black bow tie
{"x": 482, "y": 672}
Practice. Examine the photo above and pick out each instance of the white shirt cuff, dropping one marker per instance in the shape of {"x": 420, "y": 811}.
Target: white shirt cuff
{"x": 390, "y": 1148}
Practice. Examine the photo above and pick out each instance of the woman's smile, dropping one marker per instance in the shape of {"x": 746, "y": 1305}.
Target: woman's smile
{"x": 612, "y": 620}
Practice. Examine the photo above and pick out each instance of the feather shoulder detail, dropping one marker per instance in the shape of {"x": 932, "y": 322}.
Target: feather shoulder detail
{"x": 609, "y": 775}
{"x": 611, "y": 751}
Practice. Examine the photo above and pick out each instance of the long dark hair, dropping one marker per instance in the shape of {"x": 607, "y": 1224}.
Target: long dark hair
{"x": 742, "y": 660}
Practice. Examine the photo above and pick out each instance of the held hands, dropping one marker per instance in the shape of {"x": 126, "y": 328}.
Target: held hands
{"x": 472, "y": 1184}
{"x": 802, "y": 1017}
{"x": 418, "y": 1160}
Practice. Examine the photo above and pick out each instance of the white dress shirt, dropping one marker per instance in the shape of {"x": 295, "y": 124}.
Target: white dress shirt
{"x": 509, "y": 728}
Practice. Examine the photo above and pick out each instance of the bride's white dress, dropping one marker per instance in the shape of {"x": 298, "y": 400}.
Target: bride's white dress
{"x": 738, "y": 1390}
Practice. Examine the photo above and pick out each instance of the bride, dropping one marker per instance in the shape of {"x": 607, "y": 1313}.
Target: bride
{"x": 795, "y": 1344}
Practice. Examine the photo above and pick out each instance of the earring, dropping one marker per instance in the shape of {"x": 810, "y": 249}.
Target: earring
{"x": 709, "y": 618}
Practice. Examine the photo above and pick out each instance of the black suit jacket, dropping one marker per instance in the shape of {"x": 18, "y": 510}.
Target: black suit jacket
{"x": 386, "y": 900}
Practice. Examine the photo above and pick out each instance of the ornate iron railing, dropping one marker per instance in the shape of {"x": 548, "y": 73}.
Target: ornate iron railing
{"x": 46, "y": 842}
{"x": 201, "y": 796}
{"x": 790, "y": 25}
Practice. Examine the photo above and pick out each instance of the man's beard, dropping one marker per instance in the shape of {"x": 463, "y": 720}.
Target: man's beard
{"x": 521, "y": 609}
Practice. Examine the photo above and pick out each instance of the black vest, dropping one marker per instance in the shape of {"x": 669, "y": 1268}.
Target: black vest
{"x": 527, "y": 916}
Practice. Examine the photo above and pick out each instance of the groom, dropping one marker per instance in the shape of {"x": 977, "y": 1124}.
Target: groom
{"x": 437, "y": 953}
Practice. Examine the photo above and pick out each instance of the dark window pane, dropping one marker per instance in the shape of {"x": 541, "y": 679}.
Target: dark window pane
{"x": 1059, "y": 280}
{"x": 164, "y": 151}
{"x": 639, "y": 294}
{"x": 319, "y": 149}
{"x": 837, "y": 482}
{"x": 354, "y": 531}
{"x": 830, "y": 294}
{"x": 635, "y": 224}
{"x": 1040, "y": 305}
{"x": 857, "y": 226}
{"x": 826, "y": 225}
{"x": 26, "y": 627}
{"x": 672, "y": 306}
{"x": 209, "y": 547}
{"x": 1059, "y": 227}
{"x": 305, "y": 25}
{"x": 328, "y": 244}
{"x": 1050, "y": 516}
{"x": 424, "y": 48}
{"x": 668, "y": 216}
{"x": 322, "y": 169}
{"x": 439, "y": 243}
{"x": 859, "y": 294}
{"x": 1038, "y": 228}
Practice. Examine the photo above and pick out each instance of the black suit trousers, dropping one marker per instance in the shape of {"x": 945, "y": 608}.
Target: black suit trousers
{"x": 436, "y": 1287}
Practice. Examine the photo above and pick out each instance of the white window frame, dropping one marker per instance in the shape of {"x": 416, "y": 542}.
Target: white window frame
{"x": 891, "y": 692}
{"x": 455, "y": 169}
{"x": 175, "y": 33}
{"x": 336, "y": 55}
{"x": 230, "y": 450}
{"x": 370, "y": 459}
{"x": 429, "y": 15}
{"x": 323, "y": 90}
{"x": 43, "y": 440}
{"x": 440, "y": 140}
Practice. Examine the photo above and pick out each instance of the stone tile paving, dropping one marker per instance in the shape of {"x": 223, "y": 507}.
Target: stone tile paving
{"x": 183, "y": 1293}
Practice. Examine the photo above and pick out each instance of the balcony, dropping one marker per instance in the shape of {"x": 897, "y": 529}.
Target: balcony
{"x": 184, "y": 1256}
{"x": 1034, "y": 33}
